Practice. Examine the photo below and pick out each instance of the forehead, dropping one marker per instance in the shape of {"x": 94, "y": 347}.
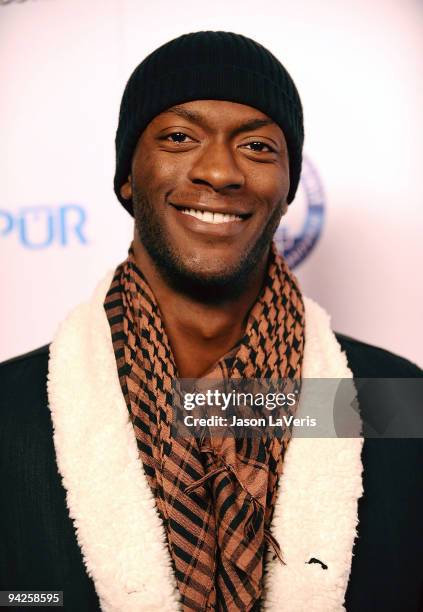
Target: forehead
{"x": 216, "y": 114}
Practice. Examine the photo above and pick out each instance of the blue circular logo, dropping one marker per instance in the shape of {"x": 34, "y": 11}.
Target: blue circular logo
{"x": 300, "y": 228}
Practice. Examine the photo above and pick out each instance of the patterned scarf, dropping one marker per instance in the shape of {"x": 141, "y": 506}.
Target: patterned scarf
{"x": 215, "y": 496}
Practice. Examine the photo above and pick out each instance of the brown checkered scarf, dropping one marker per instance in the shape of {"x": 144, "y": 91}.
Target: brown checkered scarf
{"x": 215, "y": 496}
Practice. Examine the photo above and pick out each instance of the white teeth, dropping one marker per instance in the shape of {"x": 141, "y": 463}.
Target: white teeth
{"x": 210, "y": 217}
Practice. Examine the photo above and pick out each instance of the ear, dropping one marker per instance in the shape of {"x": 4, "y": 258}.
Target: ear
{"x": 284, "y": 208}
{"x": 126, "y": 189}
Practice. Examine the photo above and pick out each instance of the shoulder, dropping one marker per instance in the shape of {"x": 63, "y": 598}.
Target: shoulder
{"x": 23, "y": 384}
{"x": 368, "y": 361}
{"x": 30, "y": 359}
{"x": 387, "y": 551}
{"x": 27, "y": 459}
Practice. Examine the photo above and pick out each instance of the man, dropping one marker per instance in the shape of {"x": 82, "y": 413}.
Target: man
{"x": 132, "y": 518}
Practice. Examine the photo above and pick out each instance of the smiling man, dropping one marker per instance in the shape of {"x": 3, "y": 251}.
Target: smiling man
{"x": 209, "y": 183}
{"x": 101, "y": 499}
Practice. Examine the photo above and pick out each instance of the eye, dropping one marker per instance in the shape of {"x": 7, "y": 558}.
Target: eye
{"x": 178, "y": 137}
{"x": 259, "y": 147}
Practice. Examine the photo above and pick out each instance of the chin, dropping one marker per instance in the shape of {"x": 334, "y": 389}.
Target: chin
{"x": 211, "y": 276}
{"x": 223, "y": 282}
{"x": 210, "y": 266}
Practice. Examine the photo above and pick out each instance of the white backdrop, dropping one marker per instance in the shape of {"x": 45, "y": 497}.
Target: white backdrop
{"x": 358, "y": 68}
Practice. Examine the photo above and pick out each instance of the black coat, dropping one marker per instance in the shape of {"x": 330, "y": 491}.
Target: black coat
{"x": 38, "y": 548}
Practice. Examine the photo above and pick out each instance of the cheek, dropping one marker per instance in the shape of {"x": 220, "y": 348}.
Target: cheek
{"x": 270, "y": 184}
{"x": 155, "y": 175}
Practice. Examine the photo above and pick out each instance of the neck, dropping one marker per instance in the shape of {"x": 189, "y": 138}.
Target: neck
{"x": 199, "y": 333}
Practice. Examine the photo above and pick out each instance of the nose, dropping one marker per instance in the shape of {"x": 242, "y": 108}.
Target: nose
{"x": 216, "y": 167}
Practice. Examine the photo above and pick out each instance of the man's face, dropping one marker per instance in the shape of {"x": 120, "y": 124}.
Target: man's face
{"x": 209, "y": 183}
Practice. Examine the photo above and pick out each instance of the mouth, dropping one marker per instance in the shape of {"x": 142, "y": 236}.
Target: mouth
{"x": 205, "y": 222}
{"x": 210, "y": 216}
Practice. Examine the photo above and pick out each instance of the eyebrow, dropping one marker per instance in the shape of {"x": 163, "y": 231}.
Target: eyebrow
{"x": 198, "y": 118}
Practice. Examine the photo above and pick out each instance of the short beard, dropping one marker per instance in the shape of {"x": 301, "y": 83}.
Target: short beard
{"x": 226, "y": 286}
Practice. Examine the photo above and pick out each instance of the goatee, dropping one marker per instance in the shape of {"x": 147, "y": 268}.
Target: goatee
{"x": 200, "y": 285}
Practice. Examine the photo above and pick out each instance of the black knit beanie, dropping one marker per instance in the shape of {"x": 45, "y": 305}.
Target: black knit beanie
{"x": 208, "y": 66}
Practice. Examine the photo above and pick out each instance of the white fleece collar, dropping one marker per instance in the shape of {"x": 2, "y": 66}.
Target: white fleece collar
{"x": 117, "y": 526}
